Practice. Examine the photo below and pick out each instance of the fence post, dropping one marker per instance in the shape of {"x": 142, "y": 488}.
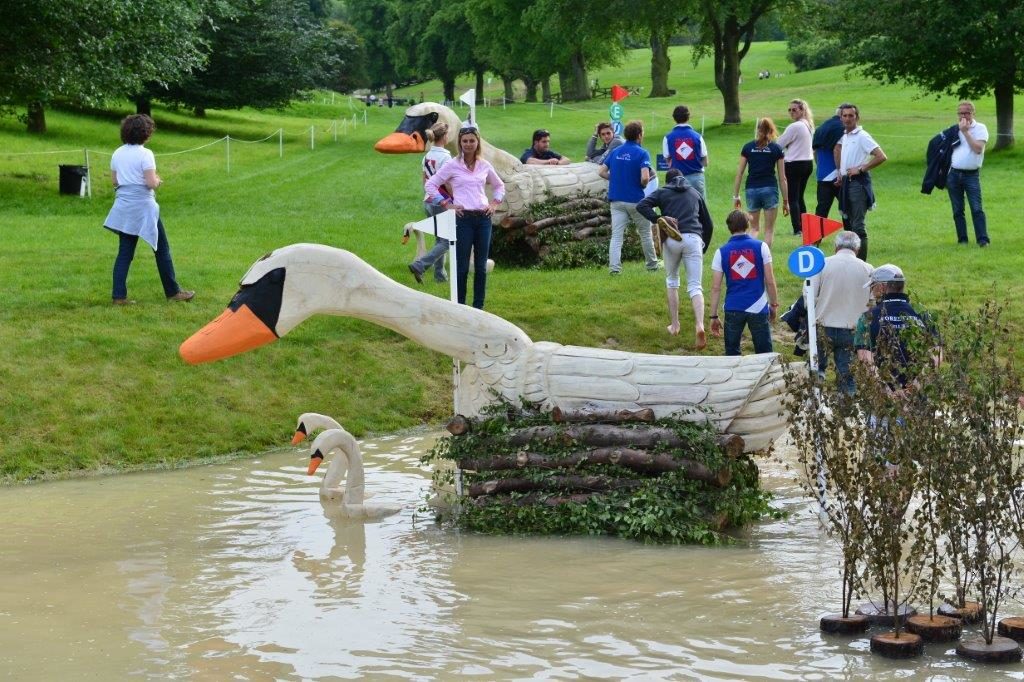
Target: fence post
{"x": 227, "y": 150}
{"x": 280, "y": 143}
{"x": 312, "y": 134}
{"x": 88, "y": 175}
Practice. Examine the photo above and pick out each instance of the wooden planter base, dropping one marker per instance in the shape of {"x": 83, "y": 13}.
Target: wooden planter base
{"x": 908, "y": 645}
{"x": 835, "y": 624}
{"x": 1012, "y": 628}
{"x": 1001, "y": 650}
{"x": 971, "y": 612}
{"x": 880, "y": 616}
{"x": 936, "y": 629}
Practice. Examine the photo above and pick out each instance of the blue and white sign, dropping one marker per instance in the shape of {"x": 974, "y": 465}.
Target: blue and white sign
{"x": 617, "y": 128}
{"x": 807, "y": 261}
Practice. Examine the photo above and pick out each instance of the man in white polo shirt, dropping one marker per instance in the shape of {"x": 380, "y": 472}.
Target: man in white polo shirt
{"x": 841, "y": 297}
{"x": 964, "y": 175}
{"x": 857, "y": 153}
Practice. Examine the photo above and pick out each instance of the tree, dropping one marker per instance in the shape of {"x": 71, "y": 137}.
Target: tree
{"x": 726, "y": 32}
{"x": 371, "y": 19}
{"x": 432, "y": 40}
{"x": 262, "y": 54}
{"x": 349, "y": 72}
{"x": 575, "y": 35}
{"x": 943, "y": 47}
{"x": 87, "y": 51}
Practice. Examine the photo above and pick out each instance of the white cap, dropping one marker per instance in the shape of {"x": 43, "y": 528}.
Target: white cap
{"x": 884, "y": 274}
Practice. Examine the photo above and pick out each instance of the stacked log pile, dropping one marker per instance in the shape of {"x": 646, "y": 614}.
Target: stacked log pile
{"x": 584, "y": 471}
{"x": 561, "y": 232}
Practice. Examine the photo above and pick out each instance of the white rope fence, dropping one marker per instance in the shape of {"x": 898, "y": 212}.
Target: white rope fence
{"x": 342, "y": 126}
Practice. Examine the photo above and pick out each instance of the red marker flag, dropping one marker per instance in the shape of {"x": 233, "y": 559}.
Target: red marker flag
{"x": 815, "y": 228}
{"x": 619, "y": 92}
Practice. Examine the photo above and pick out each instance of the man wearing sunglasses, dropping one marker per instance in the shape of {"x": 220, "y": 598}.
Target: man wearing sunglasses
{"x": 541, "y": 154}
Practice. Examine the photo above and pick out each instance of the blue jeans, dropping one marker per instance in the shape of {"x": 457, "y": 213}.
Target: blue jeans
{"x": 696, "y": 181}
{"x": 841, "y": 342}
{"x": 856, "y": 213}
{"x": 958, "y": 183}
{"x": 433, "y": 258}
{"x": 472, "y": 231}
{"x": 760, "y": 331}
{"x": 164, "y": 265}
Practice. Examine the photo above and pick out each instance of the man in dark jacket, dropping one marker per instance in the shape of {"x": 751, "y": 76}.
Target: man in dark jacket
{"x": 684, "y": 231}
{"x": 826, "y": 137}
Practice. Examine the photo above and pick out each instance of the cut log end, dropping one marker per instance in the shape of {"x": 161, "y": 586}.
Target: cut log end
{"x": 970, "y": 613}
{"x": 880, "y": 616}
{"x": 1012, "y": 628}
{"x": 936, "y": 628}
{"x": 835, "y": 624}
{"x": 458, "y": 425}
{"x": 907, "y": 645}
{"x": 1001, "y": 650}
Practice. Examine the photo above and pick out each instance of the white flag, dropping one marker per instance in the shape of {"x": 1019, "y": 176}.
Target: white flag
{"x": 469, "y": 97}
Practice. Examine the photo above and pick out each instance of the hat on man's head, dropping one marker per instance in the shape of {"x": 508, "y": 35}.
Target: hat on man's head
{"x": 884, "y": 274}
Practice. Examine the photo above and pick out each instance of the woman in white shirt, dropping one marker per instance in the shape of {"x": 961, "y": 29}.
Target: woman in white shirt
{"x": 135, "y": 212}
{"x": 796, "y": 143}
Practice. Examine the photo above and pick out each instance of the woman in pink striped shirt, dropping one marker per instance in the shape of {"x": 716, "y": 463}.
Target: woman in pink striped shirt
{"x": 467, "y": 175}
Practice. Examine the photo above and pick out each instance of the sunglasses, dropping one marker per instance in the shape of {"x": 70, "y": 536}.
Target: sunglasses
{"x": 795, "y": 109}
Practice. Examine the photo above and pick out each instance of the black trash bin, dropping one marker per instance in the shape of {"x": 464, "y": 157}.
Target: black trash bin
{"x": 72, "y": 178}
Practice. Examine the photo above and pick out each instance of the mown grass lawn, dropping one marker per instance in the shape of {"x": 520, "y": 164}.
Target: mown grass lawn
{"x": 86, "y": 386}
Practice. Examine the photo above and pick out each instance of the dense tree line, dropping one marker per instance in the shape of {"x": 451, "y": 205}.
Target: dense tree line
{"x": 262, "y": 53}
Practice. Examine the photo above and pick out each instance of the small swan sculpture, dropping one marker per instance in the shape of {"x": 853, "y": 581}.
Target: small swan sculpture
{"x": 741, "y": 395}
{"x": 309, "y": 423}
{"x": 524, "y": 184}
{"x": 344, "y": 482}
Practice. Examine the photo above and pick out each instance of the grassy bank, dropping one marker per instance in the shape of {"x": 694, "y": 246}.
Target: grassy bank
{"x": 84, "y": 385}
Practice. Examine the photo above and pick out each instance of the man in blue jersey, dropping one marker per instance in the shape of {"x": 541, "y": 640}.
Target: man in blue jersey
{"x": 826, "y": 139}
{"x": 684, "y": 149}
{"x": 751, "y": 298}
{"x": 628, "y": 170}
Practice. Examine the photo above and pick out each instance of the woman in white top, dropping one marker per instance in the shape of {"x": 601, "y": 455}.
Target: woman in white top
{"x": 135, "y": 212}
{"x": 796, "y": 143}
{"x": 436, "y": 157}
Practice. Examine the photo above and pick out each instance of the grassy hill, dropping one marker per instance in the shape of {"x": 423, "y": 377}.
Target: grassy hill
{"x": 87, "y": 386}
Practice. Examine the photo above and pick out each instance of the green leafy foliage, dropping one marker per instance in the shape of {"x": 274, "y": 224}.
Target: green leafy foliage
{"x": 669, "y": 508}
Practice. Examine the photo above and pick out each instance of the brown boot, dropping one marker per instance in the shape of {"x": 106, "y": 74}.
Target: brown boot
{"x": 124, "y": 301}
{"x": 182, "y": 296}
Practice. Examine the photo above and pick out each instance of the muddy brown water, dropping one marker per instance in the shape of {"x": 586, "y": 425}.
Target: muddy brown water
{"x": 236, "y": 572}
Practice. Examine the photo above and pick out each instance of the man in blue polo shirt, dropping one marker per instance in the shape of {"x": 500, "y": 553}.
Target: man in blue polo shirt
{"x": 628, "y": 170}
{"x": 751, "y": 299}
{"x": 684, "y": 149}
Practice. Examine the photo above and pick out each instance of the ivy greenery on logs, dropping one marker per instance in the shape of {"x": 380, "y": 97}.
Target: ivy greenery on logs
{"x": 660, "y": 481}
{"x": 560, "y": 233}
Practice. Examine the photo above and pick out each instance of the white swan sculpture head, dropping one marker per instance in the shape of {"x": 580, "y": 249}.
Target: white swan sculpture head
{"x": 344, "y": 483}
{"x": 309, "y": 423}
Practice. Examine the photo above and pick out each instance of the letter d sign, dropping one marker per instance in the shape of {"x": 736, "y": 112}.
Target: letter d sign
{"x": 806, "y": 261}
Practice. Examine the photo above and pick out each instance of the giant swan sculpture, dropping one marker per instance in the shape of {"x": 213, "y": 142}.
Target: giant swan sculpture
{"x": 740, "y": 395}
{"x": 524, "y": 184}
{"x": 345, "y": 484}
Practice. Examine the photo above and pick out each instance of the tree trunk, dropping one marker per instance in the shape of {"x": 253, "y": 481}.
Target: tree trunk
{"x": 143, "y": 105}
{"x": 1004, "y": 115}
{"x": 727, "y": 70}
{"x": 545, "y": 89}
{"x": 573, "y": 80}
{"x": 660, "y": 64}
{"x": 588, "y": 483}
{"x": 531, "y": 88}
{"x": 507, "y": 82}
{"x": 606, "y": 435}
{"x": 562, "y": 416}
{"x": 479, "y": 86}
{"x": 641, "y": 461}
{"x": 36, "y": 117}
{"x": 200, "y": 112}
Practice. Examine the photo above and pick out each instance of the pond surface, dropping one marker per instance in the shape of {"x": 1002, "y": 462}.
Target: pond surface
{"x": 235, "y": 571}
